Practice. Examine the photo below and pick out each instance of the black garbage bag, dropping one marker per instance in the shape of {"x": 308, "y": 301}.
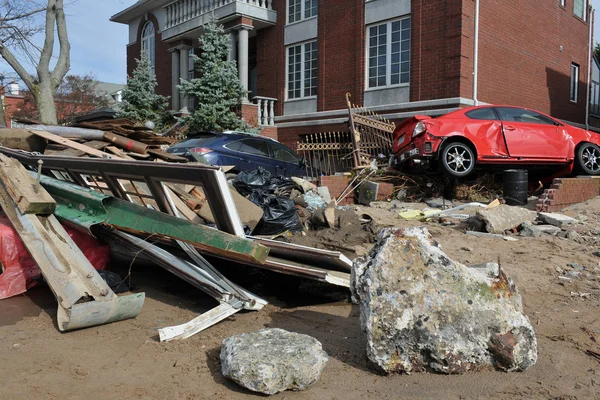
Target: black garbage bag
{"x": 246, "y": 182}
{"x": 279, "y": 214}
{"x": 114, "y": 281}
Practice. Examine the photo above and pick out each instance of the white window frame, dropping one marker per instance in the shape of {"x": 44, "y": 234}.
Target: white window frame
{"x": 303, "y": 10}
{"x": 302, "y": 70}
{"x": 563, "y": 3}
{"x": 388, "y": 55}
{"x": 149, "y": 44}
{"x": 584, "y": 6}
{"x": 574, "y": 84}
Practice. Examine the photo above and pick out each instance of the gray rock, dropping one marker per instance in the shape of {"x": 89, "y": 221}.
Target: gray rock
{"x": 273, "y": 360}
{"x": 402, "y": 194}
{"x": 549, "y": 229}
{"x": 422, "y": 311}
{"x": 527, "y": 229}
{"x": 503, "y": 217}
{"x": 556, "y": 219}
{"x": 576, "y": 266}
{"x": 475, "y": 224}
{"x": 596, "y": 253}
{"x": 572, "y": 235}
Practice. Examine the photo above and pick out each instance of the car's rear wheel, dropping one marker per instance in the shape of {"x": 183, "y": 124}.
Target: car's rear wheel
{"x": 457, "y": 159}
{"x": 588, "y": 158}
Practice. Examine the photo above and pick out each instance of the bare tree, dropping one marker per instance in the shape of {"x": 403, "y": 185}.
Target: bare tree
{"x": 19, "y": 22}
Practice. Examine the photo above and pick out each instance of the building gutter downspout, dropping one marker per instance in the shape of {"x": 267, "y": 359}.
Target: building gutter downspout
{"x": 476, "y": 54}
{"x": 589, "y": 66}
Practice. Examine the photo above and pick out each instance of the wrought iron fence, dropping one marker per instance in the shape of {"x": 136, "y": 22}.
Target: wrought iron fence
{"x": 326, "y": 153}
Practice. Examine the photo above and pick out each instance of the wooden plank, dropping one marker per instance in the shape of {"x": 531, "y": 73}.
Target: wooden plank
{"x": 25, "y": 192}
{"x": 184, "y": 209}
{"x": 70, "y": 143}
{"x": 119, "y": 153}
{"x": 167, "y": 156}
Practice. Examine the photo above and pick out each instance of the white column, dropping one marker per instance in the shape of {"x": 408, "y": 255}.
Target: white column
{"x": 233, "y": 47}
{"x": 184, "y": 69}
{"x": 174, "y": 79}
{"x": 243, "y": 60}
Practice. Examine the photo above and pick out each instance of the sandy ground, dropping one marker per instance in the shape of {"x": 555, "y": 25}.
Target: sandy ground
{"x": 125, "y": 360}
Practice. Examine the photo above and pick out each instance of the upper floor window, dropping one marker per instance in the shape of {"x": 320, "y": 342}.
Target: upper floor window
{"x": 563, "y": 3}
{"x": 579, "y": 8}
{"x": 301, "y": 9}
{"x": 388, "y": 58}
{"x": 148, "y": 43}
{"x": 302, "y": 70}
{"x": 574, "y": 86}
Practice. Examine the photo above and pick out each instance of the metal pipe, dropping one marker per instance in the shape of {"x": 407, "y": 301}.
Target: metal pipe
{"x": 589, "y": 67}
{"x": 66, "y": 131}
{"x": 476, "y": 55}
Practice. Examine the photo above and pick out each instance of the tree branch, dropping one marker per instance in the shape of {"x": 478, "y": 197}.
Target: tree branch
{"x": 21, "y": 16}
{"x": 43, "y": 67}
{"x": 16, "y": 65}
{"x": 64, "y": 60}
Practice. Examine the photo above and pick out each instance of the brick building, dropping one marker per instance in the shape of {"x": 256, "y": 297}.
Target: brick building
{"x": 298, "y": 58}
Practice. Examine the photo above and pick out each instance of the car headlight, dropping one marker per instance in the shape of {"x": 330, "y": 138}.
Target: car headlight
{"x": 419, "y": 128}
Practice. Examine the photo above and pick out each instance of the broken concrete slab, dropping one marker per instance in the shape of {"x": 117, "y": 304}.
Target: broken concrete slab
{"x": 304, "y": 184}
{"x": 496, "y": 235}
{"x": 556, "y": 219}
{"x": 503, "y": 217}
{"x": 549, "y": 229}
{"x": 423, "y": 311}
{"x": 527, "y": 229}
{"x": 273, "y": 360}
{"x": 323, "y": 191}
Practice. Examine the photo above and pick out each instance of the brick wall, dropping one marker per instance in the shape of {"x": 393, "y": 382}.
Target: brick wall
{"x": 162, "y": 58}
{"x": 526, "y": 50}
{"x": 567, "y": 191}
{"x": 336, "y": 185}
{"x": 249, "y": 113}
{"x": 271, "y": 132}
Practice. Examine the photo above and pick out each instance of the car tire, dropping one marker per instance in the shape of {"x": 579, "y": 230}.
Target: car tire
{"x": 588, "y": 159}
{"x": 457, "y": 159}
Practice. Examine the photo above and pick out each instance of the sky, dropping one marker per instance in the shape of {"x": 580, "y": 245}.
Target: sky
{"x": 98, "y": 45}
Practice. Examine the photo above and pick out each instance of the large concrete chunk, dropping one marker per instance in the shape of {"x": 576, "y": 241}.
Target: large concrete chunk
{"x": 423, "y": 311}
{"x": 273, "y": 360}
{"x": 556, "y": 219}
{"x": 503, "y": 217}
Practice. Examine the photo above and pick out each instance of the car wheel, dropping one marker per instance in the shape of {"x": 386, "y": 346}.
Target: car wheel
{"x": 588, "y": 158}
{"x": 457, "y": 159}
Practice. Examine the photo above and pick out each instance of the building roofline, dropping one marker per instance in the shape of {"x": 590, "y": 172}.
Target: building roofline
{"x": 136, "y": 10}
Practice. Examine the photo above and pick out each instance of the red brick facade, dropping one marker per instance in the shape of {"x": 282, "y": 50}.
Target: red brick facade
{"x": 567, "y": 191}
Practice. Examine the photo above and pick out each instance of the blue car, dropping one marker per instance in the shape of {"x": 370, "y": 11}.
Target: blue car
{"x": 242, "y": 151}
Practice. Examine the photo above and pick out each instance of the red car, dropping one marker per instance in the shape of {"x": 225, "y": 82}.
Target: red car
{"x": 494, "y": 135}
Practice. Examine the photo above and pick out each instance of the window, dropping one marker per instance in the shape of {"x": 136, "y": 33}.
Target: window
{"x": 579, "y": 9}
{"x": 302, "y": 70}
{"x": 254, "y": 146}
{"x": 574, "y": 87}
{"x": 482, "y": 113}
{"x": 388, "y": 53}
{"x": 563, "y": 3}
{"x": 301, "y": 9}
{"x": 283, "y": 154}
{"x": 514, "y": 114}
{"x": 148, "y": 43}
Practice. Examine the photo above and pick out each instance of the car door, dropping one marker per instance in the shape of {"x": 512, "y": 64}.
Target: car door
{"x": 287, "y": 163}
{"x": 529, "y": 134}
{"x": 254, "y": 153}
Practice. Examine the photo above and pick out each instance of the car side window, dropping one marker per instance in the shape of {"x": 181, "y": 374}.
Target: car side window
{"x": 521, "y": 115}
{"x": 283, "y": 154}
{"x": 255, "y": 147}
{"x": 482, "y": 113}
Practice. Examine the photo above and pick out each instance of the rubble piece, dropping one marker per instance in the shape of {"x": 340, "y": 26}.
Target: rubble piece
{"x": 323, "y": 191}
{"x": 25, "y": 192}
{"x": 21, "y": 139}
{"x": 71, "y": 144}
{"x": 126, "y": 143}
{"x": 304, "y": 184}
{"x": 423, "y": 311}
{"x": 68, "y": 132}
{"x": 193, "y": 202}
{"x": 313, "y": 201}
{"x": 184, "y": 209}
{"x": 272, "y": 360}
{"x": 549, "y": 229}
{"x": 329, "y": 213}
{"x": 492, "y": 235}
{"x": 367, "y": 192}
{"x": 84, "y": 298}
{"x": 527, "y": 229}
{"x": 503, "y": 218}
{"x": 556, "y": 219}
{"x": 119, "y": 153}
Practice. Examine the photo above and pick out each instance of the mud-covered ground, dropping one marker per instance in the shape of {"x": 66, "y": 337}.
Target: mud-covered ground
{"x": 125, "y": 360}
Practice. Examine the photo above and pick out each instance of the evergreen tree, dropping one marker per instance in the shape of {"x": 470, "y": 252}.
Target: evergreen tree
{"x": 140, "y": 102}
{"x": 217, "y": 87}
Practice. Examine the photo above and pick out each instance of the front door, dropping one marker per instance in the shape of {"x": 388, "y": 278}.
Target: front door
{"x": 529, "y": 134}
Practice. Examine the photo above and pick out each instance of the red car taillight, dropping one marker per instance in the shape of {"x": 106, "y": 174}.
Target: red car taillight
{"x": 200, "y": 150}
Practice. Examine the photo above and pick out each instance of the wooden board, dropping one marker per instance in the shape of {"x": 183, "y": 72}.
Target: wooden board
{"x": 119, "y": 153}
{"x": 24, "y": 190}
{"x": 70, "y": 143}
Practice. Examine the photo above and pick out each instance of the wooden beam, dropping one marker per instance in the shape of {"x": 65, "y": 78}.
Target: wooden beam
{"x": 70, "y": 143}
{"x": 24, "y": 190}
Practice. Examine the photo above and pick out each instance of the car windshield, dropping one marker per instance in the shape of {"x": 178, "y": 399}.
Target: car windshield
{"x": 196, "y": 141}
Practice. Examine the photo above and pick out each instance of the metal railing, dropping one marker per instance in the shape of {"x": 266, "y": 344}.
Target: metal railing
{"x": 181, "y": 11}
{"x": 326, "y": 153}
{"x": 266, "y": 110}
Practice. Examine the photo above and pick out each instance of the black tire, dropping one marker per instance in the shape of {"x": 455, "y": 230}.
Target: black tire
{"x": 588, "y": 159}
{"x": 457, "y": 159}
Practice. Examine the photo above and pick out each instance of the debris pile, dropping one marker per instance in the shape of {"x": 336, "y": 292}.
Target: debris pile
{"x": 273, "y": 360}
{"x": 423, "y": 311}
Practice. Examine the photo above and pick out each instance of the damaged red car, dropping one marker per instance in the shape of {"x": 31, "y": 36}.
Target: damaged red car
{"x": 458, "y": 142}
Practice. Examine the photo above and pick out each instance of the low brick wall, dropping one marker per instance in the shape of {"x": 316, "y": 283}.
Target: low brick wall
{"x": 567, "y": 191}
{"x": 336, "y": 185}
